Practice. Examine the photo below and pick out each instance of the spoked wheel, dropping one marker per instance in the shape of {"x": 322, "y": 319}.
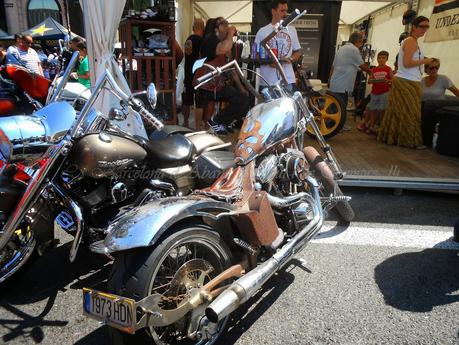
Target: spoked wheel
{"x": 329, "y": 114}
{"x": 16, "y": 253}
{"x": 186, "y": 260}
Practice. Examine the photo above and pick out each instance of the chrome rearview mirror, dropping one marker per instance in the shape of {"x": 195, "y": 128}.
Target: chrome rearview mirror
{"x": 152, "y": 95}
{"x": 198, "y": 64}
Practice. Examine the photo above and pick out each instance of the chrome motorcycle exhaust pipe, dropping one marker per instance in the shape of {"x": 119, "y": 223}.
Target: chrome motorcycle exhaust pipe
{"x": 246, "y": 286}
{"x": 286, "y": 202}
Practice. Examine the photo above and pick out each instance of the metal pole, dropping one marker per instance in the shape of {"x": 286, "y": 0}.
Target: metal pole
{"x": 67, "y": 17}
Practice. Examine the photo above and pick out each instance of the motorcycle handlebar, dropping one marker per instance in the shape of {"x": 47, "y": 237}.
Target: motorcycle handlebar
{"x": 290, "y": 17}
{"x": 208, "y": 76}
{"x": 282, "y": 24}
{"x": 137, "y": 106}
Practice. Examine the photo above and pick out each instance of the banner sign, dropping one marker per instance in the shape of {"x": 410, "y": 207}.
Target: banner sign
{"x": 309, "y": 29}
{"x": 444, "y": 22}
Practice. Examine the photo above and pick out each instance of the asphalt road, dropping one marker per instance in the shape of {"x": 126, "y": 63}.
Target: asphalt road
{"x": 391, "y": 277}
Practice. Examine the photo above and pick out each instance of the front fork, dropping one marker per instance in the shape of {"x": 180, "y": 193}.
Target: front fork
{"x": 307, "y": 119}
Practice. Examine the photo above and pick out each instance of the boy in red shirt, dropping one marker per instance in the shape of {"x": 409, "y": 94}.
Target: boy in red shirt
{"x": 380, "y": 79}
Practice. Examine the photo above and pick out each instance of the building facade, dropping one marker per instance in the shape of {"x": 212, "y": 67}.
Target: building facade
{"x": 20, "y": 15}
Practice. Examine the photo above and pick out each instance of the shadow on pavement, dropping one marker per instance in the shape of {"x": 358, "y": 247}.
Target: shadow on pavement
{"x": 30, "y": 327}
{"x": 418, "y": 282}
{"x": 241, "y": 320}
{"x": 378, "y": 205}
{"x": 97, "y": 337}
{"x": 244, "y": 318}
{"x": 42, "y": 280}
{"x": 53, "y": 272}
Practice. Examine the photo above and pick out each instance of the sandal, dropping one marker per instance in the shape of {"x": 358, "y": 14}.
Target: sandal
{"x": 362, "y": 127}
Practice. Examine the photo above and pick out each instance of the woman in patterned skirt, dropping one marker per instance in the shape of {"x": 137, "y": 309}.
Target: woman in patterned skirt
{"x": 401, "y": 124}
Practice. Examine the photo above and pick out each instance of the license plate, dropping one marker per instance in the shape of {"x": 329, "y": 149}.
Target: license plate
{"x": 115, "y": 311}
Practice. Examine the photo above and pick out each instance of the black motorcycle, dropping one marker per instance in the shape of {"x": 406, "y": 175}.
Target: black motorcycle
{"x": 84, "y": 178}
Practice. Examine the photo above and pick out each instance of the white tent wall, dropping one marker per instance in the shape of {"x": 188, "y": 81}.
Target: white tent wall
{"x": 344, "y": 31}
{"x": 446, "y": 51}
{"x": 386, "y": 27}
{"x": 353, "y": 11}
{"x": 185, "y": 18}
{"x": 238, "y": 13}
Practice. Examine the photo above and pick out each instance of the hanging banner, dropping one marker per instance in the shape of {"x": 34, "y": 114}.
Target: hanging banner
{"x": 309, "y": 29}
{"x": 444, "y": 22}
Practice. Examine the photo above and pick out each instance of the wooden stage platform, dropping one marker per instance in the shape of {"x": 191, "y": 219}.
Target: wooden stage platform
{"x": 368, "y": 163}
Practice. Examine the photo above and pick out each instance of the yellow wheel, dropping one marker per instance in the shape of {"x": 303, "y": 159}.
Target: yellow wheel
{"x": 329, "y": 114}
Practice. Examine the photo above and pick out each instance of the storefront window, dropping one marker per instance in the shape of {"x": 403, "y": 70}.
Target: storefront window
{"x": 39, "y": 10}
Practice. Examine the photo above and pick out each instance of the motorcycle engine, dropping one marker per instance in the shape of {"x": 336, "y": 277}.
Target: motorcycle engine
{"x": 267, "y": 170}
{"x": 295, "y": 166}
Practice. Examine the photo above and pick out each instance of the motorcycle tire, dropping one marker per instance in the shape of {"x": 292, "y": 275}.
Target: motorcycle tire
{"x": 134, "y": 273}
{"x": 21, "y": 252}
{"x": 331, "y": 113}
{"x": 323, "y": 173}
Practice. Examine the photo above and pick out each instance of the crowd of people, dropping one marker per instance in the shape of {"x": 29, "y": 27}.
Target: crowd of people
{"x": 46, "y": 61}
{"x": 214, "y": 41}
{"x": 400, "y": 111}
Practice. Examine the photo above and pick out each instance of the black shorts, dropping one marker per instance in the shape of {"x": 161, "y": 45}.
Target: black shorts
{"x": 190, "y": 97}
{"x": 203, "y": 97}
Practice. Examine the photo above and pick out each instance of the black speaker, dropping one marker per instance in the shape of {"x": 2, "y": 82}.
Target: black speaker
{"x": 448, "y": 132}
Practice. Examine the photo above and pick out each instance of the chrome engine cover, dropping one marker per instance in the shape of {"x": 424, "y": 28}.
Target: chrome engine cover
{"x": 267, "y": 169}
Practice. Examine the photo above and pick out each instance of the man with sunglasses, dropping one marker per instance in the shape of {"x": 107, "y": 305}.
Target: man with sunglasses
{"x": 23, "y": 54}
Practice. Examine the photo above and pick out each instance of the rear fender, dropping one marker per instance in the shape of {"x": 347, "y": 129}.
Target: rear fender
{"x": 143, "y": 226}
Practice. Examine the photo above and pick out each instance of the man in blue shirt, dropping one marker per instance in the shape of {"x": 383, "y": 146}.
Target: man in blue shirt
{"x": 347, "y": 62}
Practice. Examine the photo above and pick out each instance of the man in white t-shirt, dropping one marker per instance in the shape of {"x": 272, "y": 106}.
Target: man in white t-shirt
{"x": 285, "y": 42}
{"x": 23, "y": 55}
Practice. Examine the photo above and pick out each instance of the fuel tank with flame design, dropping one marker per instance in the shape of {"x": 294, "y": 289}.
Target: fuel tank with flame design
{"x": 266, "y": 125}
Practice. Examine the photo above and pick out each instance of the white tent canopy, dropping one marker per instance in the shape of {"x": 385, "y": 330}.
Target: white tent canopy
{"x": 102, "y": 18}
{"x": 352, "y": 11}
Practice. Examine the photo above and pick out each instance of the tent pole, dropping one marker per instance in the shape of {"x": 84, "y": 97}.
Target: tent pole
{"x": 67, "y": 17}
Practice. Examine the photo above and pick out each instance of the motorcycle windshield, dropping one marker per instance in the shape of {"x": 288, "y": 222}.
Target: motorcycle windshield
{"x": 266, "y": 125}
{"x": 28, "y": 137}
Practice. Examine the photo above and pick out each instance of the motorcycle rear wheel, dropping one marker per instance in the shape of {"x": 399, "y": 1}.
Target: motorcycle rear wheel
{"x": 140, "y": 272}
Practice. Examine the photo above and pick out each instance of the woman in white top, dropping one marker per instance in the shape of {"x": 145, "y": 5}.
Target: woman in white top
{"x": 434, "y": 86}
{"x": 401, "y": 124}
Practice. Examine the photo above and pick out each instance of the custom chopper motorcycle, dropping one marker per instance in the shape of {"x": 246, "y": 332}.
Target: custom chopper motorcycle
{"x": 182, "y": 265}
{"x": 79, "y": 172}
